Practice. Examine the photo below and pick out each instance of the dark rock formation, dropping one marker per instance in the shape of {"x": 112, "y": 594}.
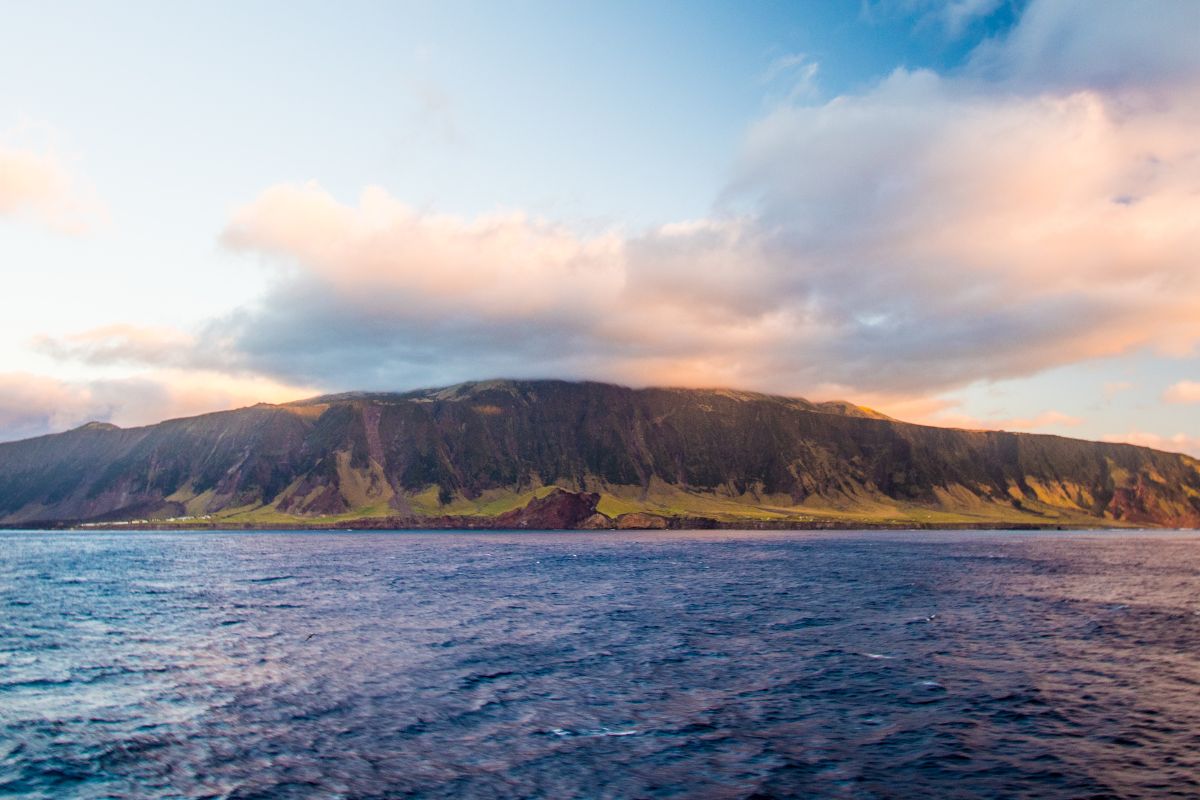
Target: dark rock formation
{"x": 637, "y": 520}
{"x": 559, "y": 510}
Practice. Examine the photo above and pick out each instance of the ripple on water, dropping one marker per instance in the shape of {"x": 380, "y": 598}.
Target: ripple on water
{"x": 601, "y": 665}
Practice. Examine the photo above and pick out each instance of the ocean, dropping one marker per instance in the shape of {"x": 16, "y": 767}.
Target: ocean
{"x": 599, "y": 665}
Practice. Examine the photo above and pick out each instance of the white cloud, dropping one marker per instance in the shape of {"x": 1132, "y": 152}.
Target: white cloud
{"x": 953, "y": 17}
{"x": 797, "y": 72}
{"x": 1108, "y": 45}
{"x": 958, "y": 15}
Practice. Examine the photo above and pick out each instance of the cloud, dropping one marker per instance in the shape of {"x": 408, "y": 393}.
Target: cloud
{"x": 433, "y": 113}
{"x": 1183, "y": 392}
{"x": 953, "y": 17}
{"x": 943, "y": 234}
{"x": 1114, "y": 388}
{"x": 121, "y": 344}
{"x": 502, "y": 265}
{"x": 389, "y": 293}
{"x": 942, "y": 415}
{"x": 378, "y": 294}
{"x": 916, "y": 237}
{"x": 1046, "y": 419}
{"x": 1108, "y": 45}
{"x": 36, "y": 184}
{"x": 1179, "y": 443}
{"x": 32, "y": 405}
{"x": 958, "y": 15}
{"x": 923, "y": 234}
{"x": 797, "y": 71}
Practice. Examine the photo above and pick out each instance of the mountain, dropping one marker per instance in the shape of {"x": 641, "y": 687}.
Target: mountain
{"x": 558, "y": 454}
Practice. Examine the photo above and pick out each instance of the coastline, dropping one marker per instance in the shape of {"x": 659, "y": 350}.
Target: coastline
{"x": 562, "y": 510}
{"x": 486, "y": 524}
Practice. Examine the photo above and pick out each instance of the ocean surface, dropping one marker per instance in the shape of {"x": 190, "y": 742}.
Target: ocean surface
{"x": 559, "y": 665}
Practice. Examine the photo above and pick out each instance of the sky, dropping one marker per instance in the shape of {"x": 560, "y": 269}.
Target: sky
{"x": 971, "y": 213}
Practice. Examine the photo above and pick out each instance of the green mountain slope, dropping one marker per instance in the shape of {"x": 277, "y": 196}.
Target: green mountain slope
{"x": 478, "y": 451}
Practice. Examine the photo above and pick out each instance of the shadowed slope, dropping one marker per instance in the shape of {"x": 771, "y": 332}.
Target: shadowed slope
{"x": 489, "y": 448}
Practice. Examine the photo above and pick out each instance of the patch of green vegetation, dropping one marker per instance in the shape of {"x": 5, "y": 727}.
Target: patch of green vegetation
{"x": 490, "y": 503}
{"x": 866, "y": 509}
{"x": 955, "y": 507}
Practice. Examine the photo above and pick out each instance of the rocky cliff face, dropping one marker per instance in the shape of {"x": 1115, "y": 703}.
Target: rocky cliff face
{"x": 489, "y": 449}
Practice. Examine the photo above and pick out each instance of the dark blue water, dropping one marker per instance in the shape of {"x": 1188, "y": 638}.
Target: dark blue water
{"x": 599, "y": 665}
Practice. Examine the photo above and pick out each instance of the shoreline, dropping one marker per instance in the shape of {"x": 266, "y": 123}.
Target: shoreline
{"x": 563, "y": 510}
{"x": 476, "y": 524}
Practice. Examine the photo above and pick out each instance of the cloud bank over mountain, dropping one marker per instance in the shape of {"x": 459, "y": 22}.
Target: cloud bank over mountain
{"x": 927, "y": 232}
{"x": 1031, "y": 209}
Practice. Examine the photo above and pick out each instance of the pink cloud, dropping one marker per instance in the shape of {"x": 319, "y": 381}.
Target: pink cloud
{"x": 35, "y": 404}
{"x": 1179, "y": 443}
{"x": 1183, "y": 392}
{"x": 37, "y": 184}
{"x": 31, "y": 405}
{"x": 1046, "y": 419}
{"x": 942, "y": 414}
{"x": 504, "y": 264}
{"x": 516, "y": 292}
{"x": 1114, "y": 388}
{"x": 899, "y": 216}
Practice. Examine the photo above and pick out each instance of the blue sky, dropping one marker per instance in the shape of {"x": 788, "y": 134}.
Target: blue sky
{"x": 591, "y": 112}
{"x": 755, "y": 186}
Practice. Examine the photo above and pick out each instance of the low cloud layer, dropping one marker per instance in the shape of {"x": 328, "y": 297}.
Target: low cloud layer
{"x": 1178, "y": 443}
{"x": 122, "y": 344}
{"x": 32, "y": 405}
{"x": 1038, "y": 422}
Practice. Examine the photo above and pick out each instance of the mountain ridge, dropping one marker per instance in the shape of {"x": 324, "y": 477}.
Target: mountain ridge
{"x": 478, "y": 450}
